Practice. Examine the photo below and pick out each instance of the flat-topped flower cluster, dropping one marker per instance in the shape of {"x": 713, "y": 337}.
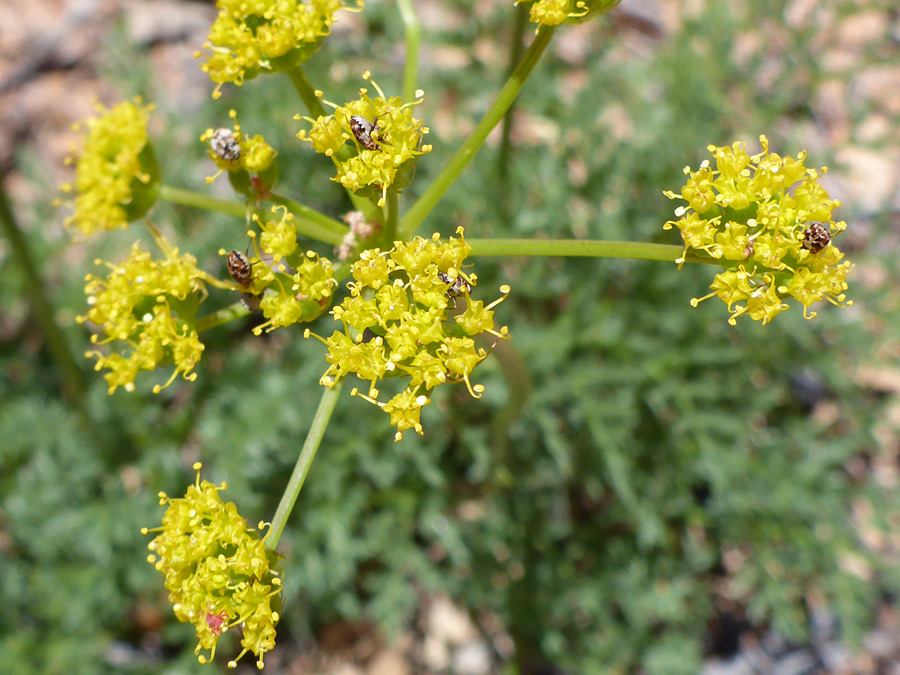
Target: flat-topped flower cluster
{"x": 397, "y": 323}
{"x": 219, "y": 573}
{"x": 147, "y": 306}
{"x": 769, "y": 215}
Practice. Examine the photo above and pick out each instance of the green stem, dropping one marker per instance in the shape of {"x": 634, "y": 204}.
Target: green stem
{"x": 222, "y": 316}
{"x": 413, "y": 33}
{"x": 391, "y": 208}
{"x": 517, "y": 45}
{"x": 306, "y": 91}
{"x": 301, "y": 468}
{"x": 313, "y": 224}
{"x": 472, "y": 145}
{"x": 315, "y": 108}
{"x": 198, "y": 200}
{"x": 519, "y": 385}
{"x": 586, "y": 248}
{"x": 73, "y": 383}
{"x": 309, "y": 223}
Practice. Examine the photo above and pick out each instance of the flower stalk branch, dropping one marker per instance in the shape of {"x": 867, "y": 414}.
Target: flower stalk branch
{"x": 311, "y": 216}
{"x": 391, "y": 209}
{"x": 306, "y": 91}
{"x": 301, "y": 469}
{"x": 413, "y": 36}
{"x": 584, "y": 248}
{"x": 517, "y": 46}
{"x": 198, "y": 200}
{"x": 221, "y": 317}
{"x": 73, "y": 383}
{"x": 309, "y": 222}
{"x": 420, "y": 210}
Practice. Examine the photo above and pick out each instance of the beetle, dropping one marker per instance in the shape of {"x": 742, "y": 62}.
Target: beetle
{"x": 457, "y": 286}
{"x": 240, "y": 268}
{"x": 363, "y": 129}
{"x": 225, "y": 145}
{"x": 815, "y": 237}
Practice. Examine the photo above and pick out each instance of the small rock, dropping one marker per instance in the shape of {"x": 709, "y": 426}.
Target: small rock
{"x": 389, "y": 662}
{"x": 472, "y": 658}
{"x": 153, "y": 21}
{"x": 800, "y": 662}
{"x": 870, "y": 177}
{"x": 448, "y": 623}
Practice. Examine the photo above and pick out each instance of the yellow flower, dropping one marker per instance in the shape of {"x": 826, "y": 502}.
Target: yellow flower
{"x": 248, "y": 38}
{"x": 396, "y": 324}
{"x": 770, "y": 216}
{"x": 555, "y": 12}
{"x": 302, "y": 297}
{"x": 147, "y": 305}
{"x": 116, "y": 174}
{"x": 219, "y": 573}
{"x": 249, "y": 160}
{"x": 386, "y": 140}
{"x": 278, "y": 237}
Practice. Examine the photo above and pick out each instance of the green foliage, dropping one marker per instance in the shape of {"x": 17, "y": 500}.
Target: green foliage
{"x": 664, "y": 467}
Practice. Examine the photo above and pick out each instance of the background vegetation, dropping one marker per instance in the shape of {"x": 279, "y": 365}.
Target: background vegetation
{"x": 638, "y": 475}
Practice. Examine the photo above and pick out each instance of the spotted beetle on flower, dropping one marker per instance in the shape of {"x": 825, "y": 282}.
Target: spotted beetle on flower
{"x": 244, "y": 157}
{"x": 396, "y": 324}
{"x": 387, "y": 148}
{"x": 769, "y": 215}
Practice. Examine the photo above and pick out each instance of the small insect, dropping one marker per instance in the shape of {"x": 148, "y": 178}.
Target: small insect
{"x": 815, "y": 237}
{"x": 225, "y": 145}
{"x": 240, "y": 269}
{"x": 457, "y": 286}
{"x": 363, "y": 130}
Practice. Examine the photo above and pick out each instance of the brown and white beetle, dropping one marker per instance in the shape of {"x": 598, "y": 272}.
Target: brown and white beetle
{"x": 457, "y": 286}
{"x": 240, "y": 268}
{"x": 815, "y": 237}
{"x": 363, "y": 129}
{"x": 225, "y": 145}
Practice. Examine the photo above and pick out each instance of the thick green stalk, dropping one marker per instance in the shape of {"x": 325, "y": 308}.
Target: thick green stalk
{"x": 313, "y": 224}
{"x": 472, "y": 145}
{"x": 584, "y": 248}
{"x": 519, "y": 385}
{"x": 315, "y": 108}
{"x": 222, "y": 316}
{"x": 309, "y": 223}
{"x": 516, "y": 47}
{"x": 307, "y": 92}
{"x": 71, "y": 375}
{"x": 301, "y": 468}
{"x": 391, "y": 208}
{"x": 413, "y": 34}
{"x": 198, "y": 200}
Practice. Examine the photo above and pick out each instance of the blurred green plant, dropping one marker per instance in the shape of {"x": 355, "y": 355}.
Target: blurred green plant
{"x": 664, "y": 470}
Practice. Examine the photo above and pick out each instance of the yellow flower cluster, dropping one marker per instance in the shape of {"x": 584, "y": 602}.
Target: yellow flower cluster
{"x": 555, "y": 12}
{"x": 396, "y": 324}
{"x": 219, "y": 573}
{"x": 296, "y": 285}
{"x": 769, "y": 215}
{"x": 234, "y": 151}
{"x": 265, "y": 35}
{"x": 148, "y": 305}
{"x": 303, "y": 297}
{"x": 386, "y": 137}
{"x": 116, "y": 174}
